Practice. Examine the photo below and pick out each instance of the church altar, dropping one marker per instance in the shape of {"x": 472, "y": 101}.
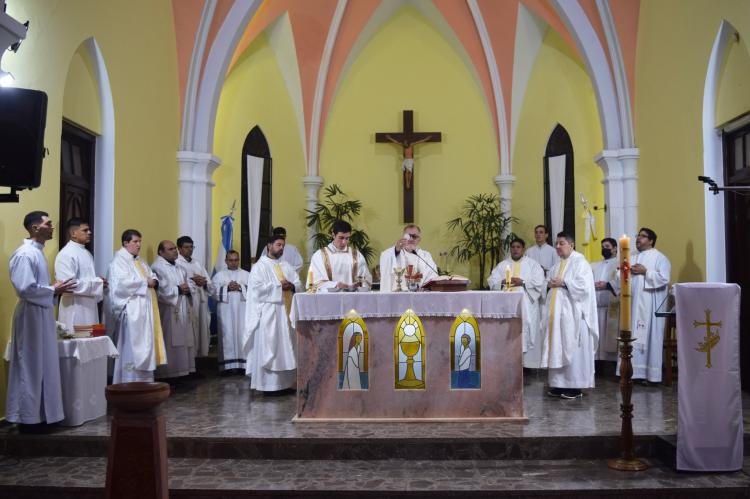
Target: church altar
{"x": 408, "y": 356}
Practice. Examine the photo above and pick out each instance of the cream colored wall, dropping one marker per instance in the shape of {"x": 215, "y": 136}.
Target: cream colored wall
{"x": 138, "y": 45}
{"x": 734, "y": 87}
{"x": 81, "y": 95}
{"x": 254, "y": 94}
{"x": 408, "y": 65}
{"x": 559, "y": 91}
{"x": 675, "y": 39}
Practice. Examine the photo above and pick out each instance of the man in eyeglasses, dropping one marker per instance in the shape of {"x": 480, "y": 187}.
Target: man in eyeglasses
{"x": 404, "y": 253}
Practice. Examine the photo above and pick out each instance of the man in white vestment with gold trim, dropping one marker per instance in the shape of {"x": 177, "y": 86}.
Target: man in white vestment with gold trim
{"x": 570, "y": 323}
{"x": 338, "y": 265}
{"x": 406, "y": 252}
{"x": 133, "y": 303}
{"x": 526, "y": 275}
{"x": 268, "y": 341}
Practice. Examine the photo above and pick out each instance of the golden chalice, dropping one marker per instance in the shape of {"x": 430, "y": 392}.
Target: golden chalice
{"x": 410, "y": 346}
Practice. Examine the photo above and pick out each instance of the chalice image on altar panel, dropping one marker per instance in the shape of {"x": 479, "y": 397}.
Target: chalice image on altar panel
{"x": 409, "y": 354}
{"x": 353, "y": 353}
{"x": 465, "y": 358}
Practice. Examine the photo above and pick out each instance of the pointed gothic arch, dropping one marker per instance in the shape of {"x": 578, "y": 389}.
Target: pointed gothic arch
{"x": 256, "y": 145}
{"x": 559, "y": 144}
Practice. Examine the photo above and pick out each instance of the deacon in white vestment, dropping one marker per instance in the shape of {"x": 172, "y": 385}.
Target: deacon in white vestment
{"x": 405, "y": 253}
{"x": 79, "y": 306}
{"x": 607, "y": 300}
{"x": 230, "y": 290}
{"x": 271, "y": 362}
{"x": 338, "y": 265}
{"x": 34, "y": 390}
{"x": 291, "y": 254}
{"x": 527, "y": 276}
{"x": 203, "y": 288}
{"x": 173, "y": 293}
{"x": 650, "y": 273}
{"x": 570, "y": 324}
{"x": 544, "y": 254}
{"x": 135, "y": 310}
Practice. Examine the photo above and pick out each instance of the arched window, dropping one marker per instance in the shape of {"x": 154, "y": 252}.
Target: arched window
{"x": 559, "y": 188}
{"x": 256, "y": 146}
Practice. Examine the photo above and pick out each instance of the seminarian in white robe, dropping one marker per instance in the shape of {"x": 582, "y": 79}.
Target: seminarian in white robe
{"x": 34, "y": 390}
{"x": 390, "y": 259}
{"x": 201, "y": 317}
{"x": 135, "y": 310}
{"x": 230, "y": 312}
{"x": 648, "y": 292}
{"x": 175, "y": 320}
{"x": 80, "y": 305}
{"x": 608, "y": 307}
{"x": 570, "y": 325}
{"x": 533, "y": 283}
{"x": 330, "y": 266}
{"x": 268, "y": 341}
{"x": 545, "y": 255}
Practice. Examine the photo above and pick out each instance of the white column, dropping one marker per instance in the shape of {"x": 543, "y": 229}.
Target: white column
{"x": 196, "y": 170}
{"x": 504, "y": 183}
{"x": 620, "y": 190}
{"x": 312, "y": 184}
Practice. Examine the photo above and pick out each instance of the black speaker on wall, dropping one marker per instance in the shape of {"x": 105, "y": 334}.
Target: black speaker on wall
{"x": 23, "y": 116}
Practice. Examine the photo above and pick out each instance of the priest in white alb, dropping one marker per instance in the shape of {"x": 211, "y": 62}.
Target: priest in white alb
{"x": 607, "y": 300}
{"x": 230, "y": 289}
{"x": 268, "y": 341}
{"x": 34, "y": 389}
{"x": 338, "y": 265}
{"x": 406, "y": 252}
{"x": 135, "y": 313}
{"x": 79, "y": 306}
{"x": 202, "y": 289}
{"x": 527, "y": 276}
{"x": 650, "y": 274}
{"x": 291, "y": 254}
{"x": 570, "y": 323}
{"x": 173, "y": 293}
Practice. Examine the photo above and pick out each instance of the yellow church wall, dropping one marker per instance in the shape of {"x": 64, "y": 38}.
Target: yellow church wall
{"x": 137, "y": 41}
{"x": 434, "y": 83}
{"x": 559, "y": 91}
{"x": 734, "y": 87}
{"x": 254, "y": 94}
{"x": 675, "y": 39}
{"x": 81, "y": 95}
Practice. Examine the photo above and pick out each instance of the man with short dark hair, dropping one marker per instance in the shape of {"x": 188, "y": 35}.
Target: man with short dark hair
{"x": 543, "y": 253}
{"x": 607, "y": 300}
{"x": 651, "y": 272}
{"x": 291, "y": 254}
{"x": 570, "y": 324}
{"x": 79, "y": 305}
{"x": 338, "y": 265}
{"x": 34, "y": 390}
{"x": 135, "y": 311}
{"x": 202, "y": 289}
{"x": 230, "y": 291}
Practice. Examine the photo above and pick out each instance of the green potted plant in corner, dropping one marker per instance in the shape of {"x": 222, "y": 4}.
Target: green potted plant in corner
{"x": 483, "y": 232}
{"x": 336, "y": 205}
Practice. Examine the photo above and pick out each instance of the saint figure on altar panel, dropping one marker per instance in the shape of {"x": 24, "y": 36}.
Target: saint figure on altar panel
{"x": 353, "y": 346}
{"x": 465, "y": 360}
{"x": 408, "y": 352}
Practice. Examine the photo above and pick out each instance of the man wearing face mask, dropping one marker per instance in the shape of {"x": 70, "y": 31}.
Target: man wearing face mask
{"x": 607, "y": 300}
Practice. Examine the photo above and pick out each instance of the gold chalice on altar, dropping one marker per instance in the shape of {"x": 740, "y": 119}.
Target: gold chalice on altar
{"x": 410, "y": 346}
{"x": 399, "y": 271}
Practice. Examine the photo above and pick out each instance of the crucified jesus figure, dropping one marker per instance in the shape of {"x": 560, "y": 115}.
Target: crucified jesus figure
{"x": 408, "y": 163}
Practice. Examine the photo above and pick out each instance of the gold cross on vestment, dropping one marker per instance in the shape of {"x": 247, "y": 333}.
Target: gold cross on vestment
{"x": 712, "y": 337}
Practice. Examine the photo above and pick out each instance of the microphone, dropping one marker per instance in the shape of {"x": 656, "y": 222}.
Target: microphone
{"x": 414, "y": 252}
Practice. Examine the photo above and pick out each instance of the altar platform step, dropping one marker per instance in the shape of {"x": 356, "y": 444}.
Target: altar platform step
{"x": 83, "y": 478}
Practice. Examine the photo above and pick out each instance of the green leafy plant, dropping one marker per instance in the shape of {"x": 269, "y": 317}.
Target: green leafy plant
{"x": 336, "y": 205}
{"x": 483, "y": 232}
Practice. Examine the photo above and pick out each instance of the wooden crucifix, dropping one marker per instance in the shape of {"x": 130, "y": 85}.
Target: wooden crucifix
{"x": 407, "y": 140}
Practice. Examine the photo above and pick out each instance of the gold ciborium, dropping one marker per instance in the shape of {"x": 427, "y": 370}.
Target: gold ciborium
{"x": 399, "y": 272}
{"x": 410, "y": 346}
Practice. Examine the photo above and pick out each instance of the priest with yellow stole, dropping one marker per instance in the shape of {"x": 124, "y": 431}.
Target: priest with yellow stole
{"x": 134, "y": 307}
{"x": 526, "y": 275}
{"x": 268, "y": 338}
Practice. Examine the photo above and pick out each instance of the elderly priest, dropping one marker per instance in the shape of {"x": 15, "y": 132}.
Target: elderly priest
{"x": 338, "y": 265}
{"x": 406, "y": 252}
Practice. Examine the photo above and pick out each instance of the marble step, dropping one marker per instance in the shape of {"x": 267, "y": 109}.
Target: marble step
{"x": 83, "y": 478}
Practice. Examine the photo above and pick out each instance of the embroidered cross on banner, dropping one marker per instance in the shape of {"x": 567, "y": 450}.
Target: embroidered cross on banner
{"x": 711, "y": 339}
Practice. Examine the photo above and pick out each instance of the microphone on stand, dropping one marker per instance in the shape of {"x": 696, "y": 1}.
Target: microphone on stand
{"x": 414, "y": 252}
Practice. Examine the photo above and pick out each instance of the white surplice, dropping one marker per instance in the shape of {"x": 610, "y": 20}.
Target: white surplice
{"x": 389, "y": 259}
{"x": 230, "y": 312}
{"x": 135, "y": 312}
{"x": 291, "y": 255}
{"x": 268, "y": 339}
{"x": 571, "y": 325}
{"x": 545, "y": 255}
{"x": 533, "y": 283}
{"x": 175, "y": 320}
{"x": 608, "y": 308}
{"x": 34, "y": 390}
{"x": 79, "y": 306}
{"x": 201, "y": 317}
{"x": 330, "y": 266}
{"x": 648, "y": 292}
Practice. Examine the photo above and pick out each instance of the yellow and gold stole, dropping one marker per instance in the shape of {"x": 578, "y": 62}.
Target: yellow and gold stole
{"x": 551, "y": 324}
{"x": 287, "y": 293}
{"x": 161, "y": 356}
{"x": 516, "y": 273}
